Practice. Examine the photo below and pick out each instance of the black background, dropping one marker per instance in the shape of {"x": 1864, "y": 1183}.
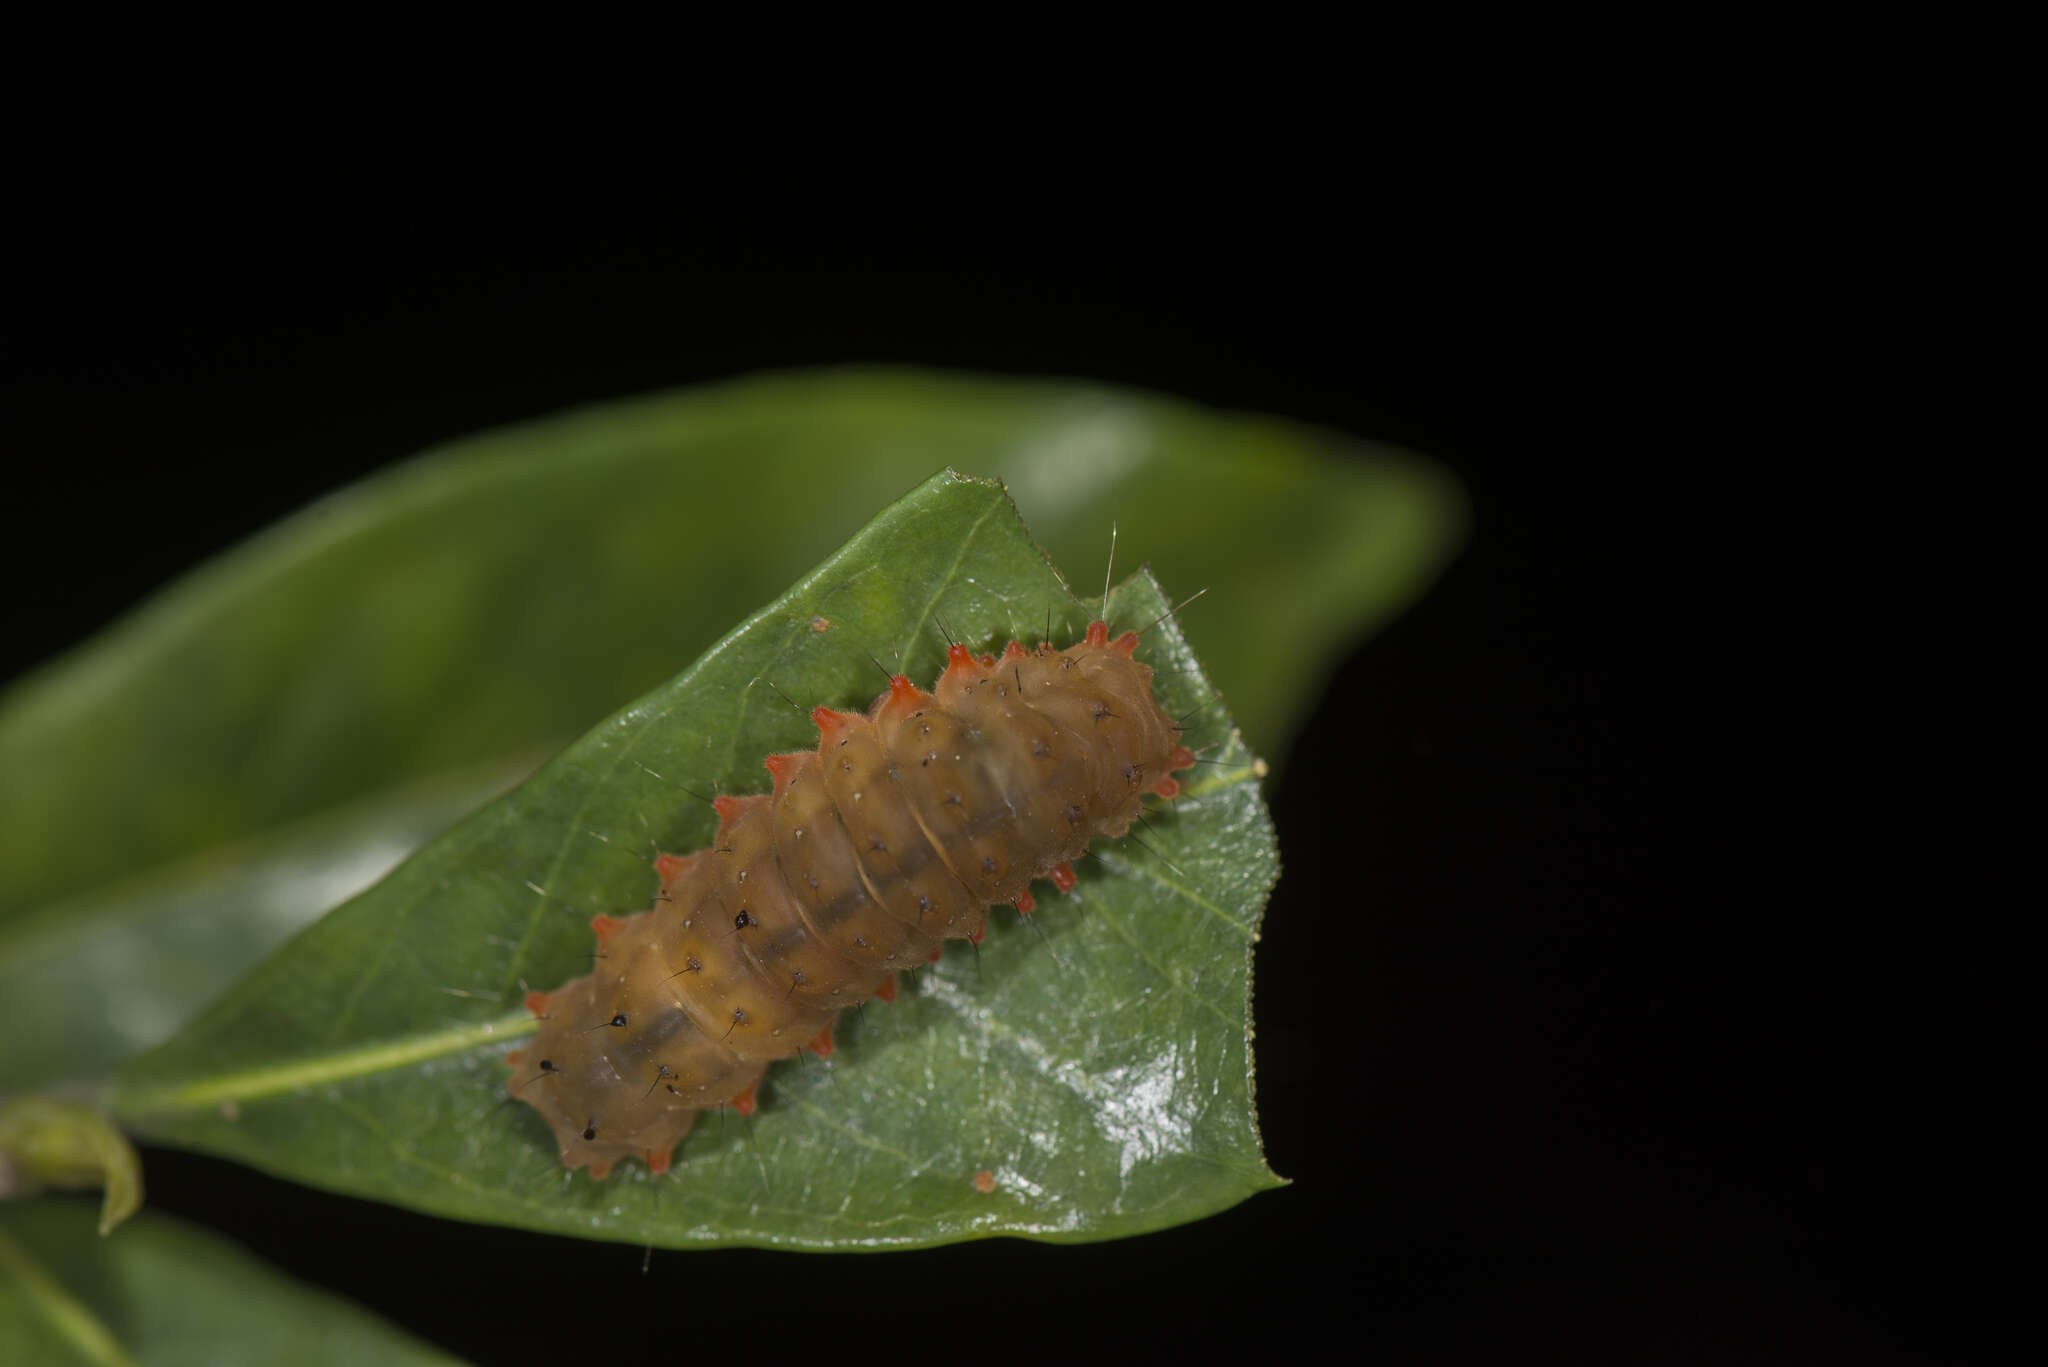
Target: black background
{"x": 1556, "y": 1069}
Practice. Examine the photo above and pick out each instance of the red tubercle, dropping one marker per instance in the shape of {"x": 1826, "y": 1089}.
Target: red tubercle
{"x": 779, "y": 767}
{"x": 1062, "y": 877}
{"x": 903, "y": 698}
{"x": 744, "y": 1102}
{"x": 514, "y": 1059}
{"x": 731, "y": 809}
{"x": 1014, "y": 651}
{"x": 958, "y": 657}
{"x": 1025, "y": 904}
{"x": 537, "y": 1002}
{"x": 1166, "y": 787}
{"x": 1098, "y": 634}
{"x": 670, "y": 866}
{"x": 938, "y": 953}
{"x": 886, "y": 991}
{"x": 600, "y": 1171}
{"x": 988, "y": 661}
{"x": 606, "y": 927}
{"x": 830, "y": 723}
{"x": 658, "y": 1161}
{"x": 1126, "y": 644}
{"x": 1181, "y": 758}
{"x": 822, "y": 1046}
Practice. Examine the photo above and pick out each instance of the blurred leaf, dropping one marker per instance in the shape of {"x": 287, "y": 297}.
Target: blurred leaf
{"x": 1100, "y": 1075}
{"x": 266, "y": 736}
{"x": 46, "y": 1142}
{"x": 506, "y": 590}
{"x": 161, "y": 1293}
{"x": 93, "y": 980}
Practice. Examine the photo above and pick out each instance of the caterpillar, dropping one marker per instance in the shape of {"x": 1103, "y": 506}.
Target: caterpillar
{"x": 898, "y": 832}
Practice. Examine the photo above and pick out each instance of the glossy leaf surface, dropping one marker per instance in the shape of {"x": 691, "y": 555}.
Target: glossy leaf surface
{"x": 1095, "y": 1065}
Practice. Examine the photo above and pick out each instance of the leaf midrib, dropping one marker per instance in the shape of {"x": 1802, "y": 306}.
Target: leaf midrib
{"x": 302, "y": 1073}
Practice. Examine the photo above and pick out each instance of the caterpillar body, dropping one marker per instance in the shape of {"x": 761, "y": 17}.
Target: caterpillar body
{"x": 896, "y": 833}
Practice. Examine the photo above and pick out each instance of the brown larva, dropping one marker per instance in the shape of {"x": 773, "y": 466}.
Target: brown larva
{"x": 896, "y": 833}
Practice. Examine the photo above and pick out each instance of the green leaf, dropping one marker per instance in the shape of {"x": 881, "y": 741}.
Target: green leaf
{"x": 95, "y": 979}
{"x": 162, "y": 1293}
{"x": 270, "y": 734}
{"x": 507, "y": 590}
{"x": 1095, "y": 1063}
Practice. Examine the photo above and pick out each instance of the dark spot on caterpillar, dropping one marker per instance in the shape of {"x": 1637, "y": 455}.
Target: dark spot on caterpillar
{"x": 744, "y": 919}
{"x": 617, "y": 1022}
